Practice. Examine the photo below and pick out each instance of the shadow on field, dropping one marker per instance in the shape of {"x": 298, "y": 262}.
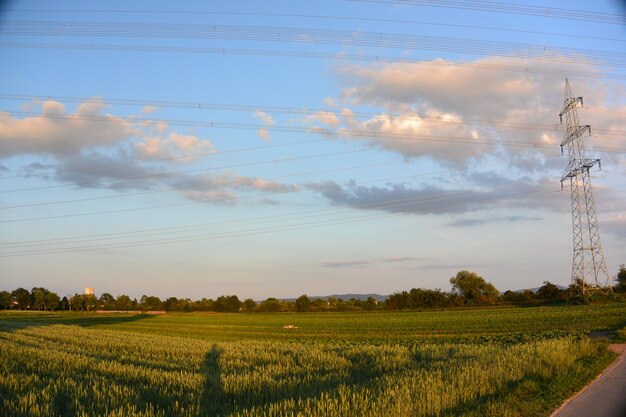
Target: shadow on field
{"x": 216, "y": 401}
{"x": 11, "y": 322}
{"x": 97, "y": 320}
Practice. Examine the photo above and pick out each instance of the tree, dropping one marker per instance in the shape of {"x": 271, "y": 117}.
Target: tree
{"x": 549, "y": 292}
{"x": 38, "y": 298}
{"x": 370, "y": 304}
{"x": 227, "y": 303}
{"x": 123, "y": 302}
{"x": 575, "y": 289}
{"x": 398, "y": 301}
{"x": 524, "y": 296}
{"x": 319, "y": 304}
{"x": 473, "y": 288}
{"x": 303, "y": 303}
{"x": 53, "y": 301}
{"x": 340, "y": 305}
{"x": 90, "y": 302}
{"x": 22, "y": 296}
{"x": 77, "y": 302}
{"x": 150, "y": 303}
{"x": 249, "y": 305}
{"x": 170, "y": 304}
{"x": 205, "y": 304}
{"x": 184, "y": 304}
{"x": 5, "y": 300}
{"x": 354, "y": 304}
{"x": 107, "y": 301}
{"x": 621, "y": 278}
{"x": 270, "y": 305}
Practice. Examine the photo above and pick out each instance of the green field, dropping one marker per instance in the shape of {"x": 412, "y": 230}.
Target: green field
{"x": 473, "y": 362}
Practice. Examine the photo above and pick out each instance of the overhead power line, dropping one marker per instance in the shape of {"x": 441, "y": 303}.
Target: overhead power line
{"x": 328, "y": 131}
{"x": 332, "y": 222}
{"x": 406, "y": 139}
{"x": 174, "y": 229}
{"x": 411, "y": 140}
{"x": 308, "y": 36}
{"x": 302, "y": 111}
{"x": 512, "y": 8}
{"x": 311, "y": 16}
{"x": 213, "y": 200}
{"x": 386, "y": 204}
{"x": 313, "y": 55}
{"x": 107, "y": 197}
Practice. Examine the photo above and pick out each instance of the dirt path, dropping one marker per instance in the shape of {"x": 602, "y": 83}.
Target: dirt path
{"x": 604, "y": 397}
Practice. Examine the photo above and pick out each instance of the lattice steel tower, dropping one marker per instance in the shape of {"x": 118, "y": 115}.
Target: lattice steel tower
{"x": 589, "y": 271}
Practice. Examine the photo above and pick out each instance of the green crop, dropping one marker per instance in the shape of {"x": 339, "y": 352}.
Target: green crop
{"x": 453, "y": 362}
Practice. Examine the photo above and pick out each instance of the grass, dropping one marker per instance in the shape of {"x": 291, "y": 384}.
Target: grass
{"x": 505, "y": 362}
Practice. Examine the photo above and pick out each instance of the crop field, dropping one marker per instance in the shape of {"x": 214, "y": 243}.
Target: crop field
{"x": 476, "y": 362}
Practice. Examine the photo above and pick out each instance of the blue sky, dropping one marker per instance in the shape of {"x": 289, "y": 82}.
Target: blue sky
{"x": 282, "y": 148}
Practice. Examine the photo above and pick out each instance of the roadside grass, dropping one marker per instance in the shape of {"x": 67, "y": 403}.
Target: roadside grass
{"x": 537, "y": 396}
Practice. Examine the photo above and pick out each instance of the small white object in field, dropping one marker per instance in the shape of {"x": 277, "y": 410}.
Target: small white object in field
{"x": 289, "y": 327}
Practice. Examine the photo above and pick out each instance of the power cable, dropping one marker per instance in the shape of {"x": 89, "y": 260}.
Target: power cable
{"x": 243, "y": 233}
{"x": 414, "y": 140}
{"x": 171, "y": 189}
{"x": 307, "y": 36}
{"x": 213, "y": 200}
{"x": 304, "y": 111}
{"x": 341, "y": 132}
{"x": 310, "y": 16}
{"x": 387, "y": 204}
{"x": 512, "y": 8}
{"x": 314, "y": 55}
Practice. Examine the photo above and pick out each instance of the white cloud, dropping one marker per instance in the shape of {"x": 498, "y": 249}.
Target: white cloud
{"x": 329, "y": 101}
{"x": 230, "y": 180}
{"x": 360, "y": 263}
{"x": 218, "y": 197}
{"x": 58, "y": 133}
{"x": 478, "y": 192}
{"x": 467, "y": 88}
{"x": 614, "y": 224}
{"x": 264, "y": 134}
{"x": 510, "y": 115}
{"x": 149, "y": 109}
{"x": 102, "y": 153}
{"x": 323, "y": 117}
{"x": 264, "y": 118}
{"x": 173, "y": 145}
{"x": 221, "y": 189}
{"x": 267, "y": 120}
{"x": 93, "y": 107}
{"x": 99, "y": 170}
{"x": 435, "y": 134}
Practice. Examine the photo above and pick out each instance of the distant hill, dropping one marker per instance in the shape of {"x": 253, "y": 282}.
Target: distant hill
{"x": 345, "y": 297}
{"x": 535, "y": 289}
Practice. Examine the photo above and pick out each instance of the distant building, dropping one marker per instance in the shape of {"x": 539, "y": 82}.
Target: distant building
{"x": 88, "y": 291}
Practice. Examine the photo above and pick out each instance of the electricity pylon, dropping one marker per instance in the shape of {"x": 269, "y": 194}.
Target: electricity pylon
{"x": 589, "y": 271}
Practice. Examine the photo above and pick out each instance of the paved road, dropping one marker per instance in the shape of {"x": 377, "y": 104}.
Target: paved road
{"x": 605, "y": 397}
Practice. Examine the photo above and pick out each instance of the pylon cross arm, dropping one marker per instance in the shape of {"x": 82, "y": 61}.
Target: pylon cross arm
{"x": 575, "y": 133}
{"x": 569, "y": 104}
{"x": 588, "y": 163}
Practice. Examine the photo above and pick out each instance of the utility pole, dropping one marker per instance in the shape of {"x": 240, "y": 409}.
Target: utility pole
{"x": 589, "y": 271}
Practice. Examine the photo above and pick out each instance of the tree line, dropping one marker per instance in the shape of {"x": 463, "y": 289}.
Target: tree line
{"x": 468, "y": 289}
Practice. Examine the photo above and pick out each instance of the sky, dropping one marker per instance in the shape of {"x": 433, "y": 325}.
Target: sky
{"x": 279, "y": 148}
